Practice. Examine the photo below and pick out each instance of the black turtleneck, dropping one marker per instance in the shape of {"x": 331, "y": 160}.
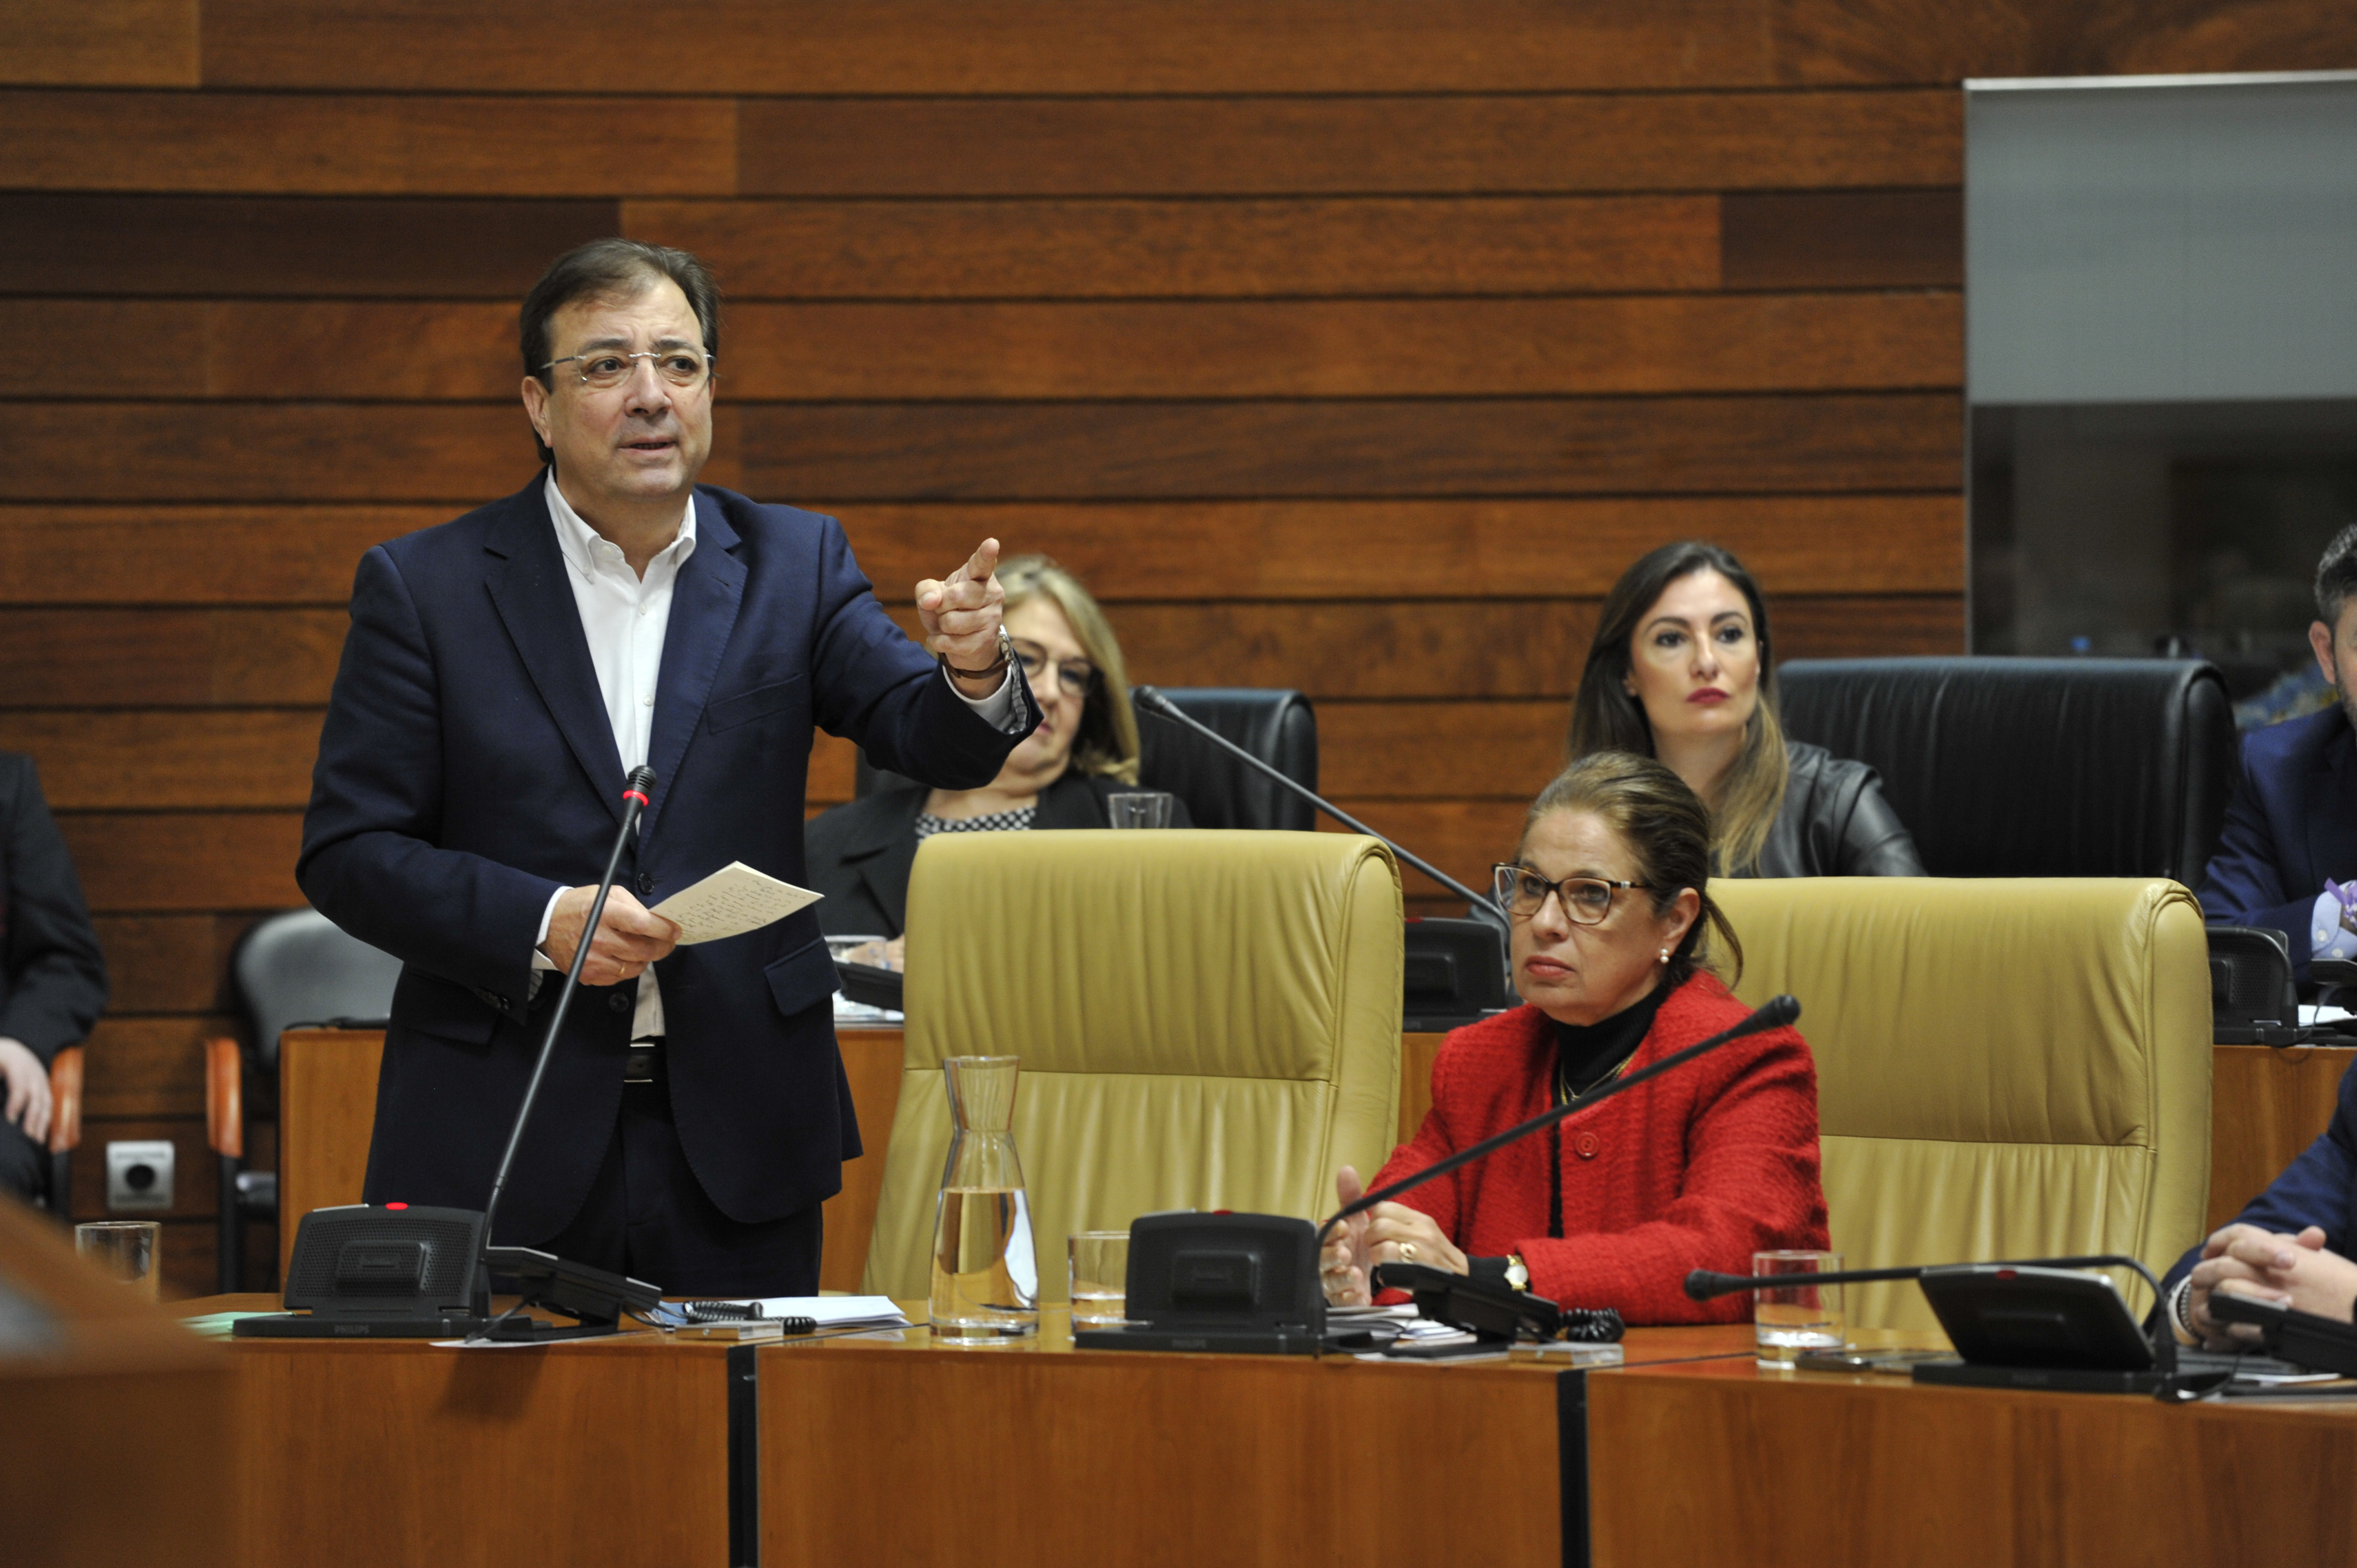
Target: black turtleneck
{"x": 1587, "y": 1054}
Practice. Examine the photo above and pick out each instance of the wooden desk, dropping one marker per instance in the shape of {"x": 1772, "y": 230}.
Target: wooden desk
{"x": 2267, "y": 1105}
{"x": 905, "y": 1452}
{"x": 1718, "y": 1461}
{"x": 367, "y": 1451}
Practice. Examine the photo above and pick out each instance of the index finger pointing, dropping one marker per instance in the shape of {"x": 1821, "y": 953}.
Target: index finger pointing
{"x": 983, "y": 562}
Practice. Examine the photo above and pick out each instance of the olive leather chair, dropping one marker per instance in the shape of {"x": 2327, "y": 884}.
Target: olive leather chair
{"x": 1205, "y": 1019}
{"x": 2006, "y": 1068}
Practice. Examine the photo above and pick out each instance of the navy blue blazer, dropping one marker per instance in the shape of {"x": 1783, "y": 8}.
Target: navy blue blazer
{"x": 467, "y": 772}
{"x": 2290, "y": 823}
{"x": 2318, "y": 1188}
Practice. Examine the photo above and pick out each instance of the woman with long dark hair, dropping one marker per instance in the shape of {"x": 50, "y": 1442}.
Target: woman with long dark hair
{"x": 1680, "y": 670}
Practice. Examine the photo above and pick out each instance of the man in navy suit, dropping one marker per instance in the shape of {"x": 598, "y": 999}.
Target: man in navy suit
{"x": 2290, "y": 839}
{"x": 502, "y": 674}
{"x": 2288, "y": 861}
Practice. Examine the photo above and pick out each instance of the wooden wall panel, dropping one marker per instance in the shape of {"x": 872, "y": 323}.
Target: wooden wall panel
{"x": 99, "y": 43}
{"x": 340, "y": 247}
{"x": 958, "y": 47}
{"x": 303, "y": 145}
{"x": 965, "y": 147}
{"x": 1390, "y": 447}
{"x": 1349, "y": 348}
{"x": 1257, "y": 248}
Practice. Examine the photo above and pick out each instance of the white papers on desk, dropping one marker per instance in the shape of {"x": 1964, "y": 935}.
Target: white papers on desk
{"x": 731, "y": 901}
{"x": 826, "y": 1311}
{"x": 2312, "y": 1015}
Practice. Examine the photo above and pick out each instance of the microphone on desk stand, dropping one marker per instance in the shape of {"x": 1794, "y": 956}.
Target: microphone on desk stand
{"x": 595, "y": 1296}
{"x": 1483, "y": 908}
{"x": 1967, "y": 1289}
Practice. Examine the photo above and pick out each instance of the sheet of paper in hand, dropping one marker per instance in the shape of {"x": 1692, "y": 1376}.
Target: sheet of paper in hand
{"x": 731, "y": 901}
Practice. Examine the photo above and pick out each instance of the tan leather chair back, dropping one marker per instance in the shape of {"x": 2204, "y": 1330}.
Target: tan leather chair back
{"x": 2006, "y": 1068}
{"x": 1205, "y": 1020}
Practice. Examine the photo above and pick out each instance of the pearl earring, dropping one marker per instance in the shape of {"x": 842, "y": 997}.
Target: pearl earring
{"x": 1666, "y": 955}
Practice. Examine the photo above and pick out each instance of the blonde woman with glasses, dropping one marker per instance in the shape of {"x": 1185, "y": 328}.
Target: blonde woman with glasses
{"x": 1085, "y": 749}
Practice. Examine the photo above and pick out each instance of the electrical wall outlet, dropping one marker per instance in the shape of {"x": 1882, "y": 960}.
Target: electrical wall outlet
{"x": 139, "y": 1176}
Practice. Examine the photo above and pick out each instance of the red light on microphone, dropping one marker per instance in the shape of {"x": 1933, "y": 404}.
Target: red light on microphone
{"x": 396, "y": 1206}
{"x": 2005, "y": 1274}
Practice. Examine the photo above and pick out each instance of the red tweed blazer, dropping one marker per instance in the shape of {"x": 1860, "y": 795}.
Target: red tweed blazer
{"x": 1696, "y": 1169}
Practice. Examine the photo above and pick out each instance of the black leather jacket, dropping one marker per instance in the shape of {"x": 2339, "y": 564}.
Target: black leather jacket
{"x": 1835, "y": 823}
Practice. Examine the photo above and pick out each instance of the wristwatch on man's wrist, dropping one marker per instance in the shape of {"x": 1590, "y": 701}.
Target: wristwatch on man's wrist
{"x": 989, "y": 671}
{"x": 1518, "y": 1273}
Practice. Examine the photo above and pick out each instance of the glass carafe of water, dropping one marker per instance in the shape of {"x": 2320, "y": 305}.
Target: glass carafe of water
{"x": 985, "y": 1272}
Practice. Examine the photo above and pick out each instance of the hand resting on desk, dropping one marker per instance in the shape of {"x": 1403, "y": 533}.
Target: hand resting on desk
{"x": 2298, "y": 1271}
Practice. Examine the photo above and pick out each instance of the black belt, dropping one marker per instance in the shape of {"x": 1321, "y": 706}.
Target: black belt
{"x": 642, "y": 1063}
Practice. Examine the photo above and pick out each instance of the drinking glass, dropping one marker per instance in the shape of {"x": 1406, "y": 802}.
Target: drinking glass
{"x": 986, "y": 1273}
{"x": 1139, "y": 808}
{"x": 1798, "y": 1316}
{"x": 1100, "y": 1278}
{"x": 126, "y": 1248}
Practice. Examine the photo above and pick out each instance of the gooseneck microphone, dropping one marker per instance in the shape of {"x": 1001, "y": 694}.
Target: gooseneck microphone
{"x": 566, "y": 1285}
{"x": 1775, "y": 1015}
{"x": 1483, "y": 907}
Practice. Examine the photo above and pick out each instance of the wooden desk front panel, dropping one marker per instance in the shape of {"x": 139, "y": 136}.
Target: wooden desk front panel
{"x": 1021, "y": 1455}
{"x": 1797, "y": 1470}
{"x": 2267, "y": 1105}
{"x": 400, "y": 1453}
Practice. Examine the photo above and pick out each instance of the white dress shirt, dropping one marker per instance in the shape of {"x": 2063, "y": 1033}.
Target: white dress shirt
{"x": 625, "y": 618}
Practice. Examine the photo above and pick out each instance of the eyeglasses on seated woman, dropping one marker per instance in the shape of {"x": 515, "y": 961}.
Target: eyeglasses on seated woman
{"x": 1608, "y": 895}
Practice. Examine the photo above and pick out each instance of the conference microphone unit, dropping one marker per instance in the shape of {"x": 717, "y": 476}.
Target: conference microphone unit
{"x": 2032, "y": 1322}
{"x": 399, "y": 1271}
{"x": 595, "y": 1297}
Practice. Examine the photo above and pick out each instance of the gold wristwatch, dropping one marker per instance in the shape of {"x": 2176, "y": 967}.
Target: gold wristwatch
{"x": 1518, "y": 1273}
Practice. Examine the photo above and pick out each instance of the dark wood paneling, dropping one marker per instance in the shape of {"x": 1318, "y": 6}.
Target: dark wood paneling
{"x": 1530, "y": 648}
{"x": 1890, "y": 41}
{"x": 1389, "y": 447}
{"x": 1875, "y": 239}
{"x": 196, "y": 1191}
{"x": 287, "y": 245}
{"x": 199, "y": 761}
{"x": 174, "y": 862}
{"x": 1101, "y": 248}
{"x": 1463, "y": 838}
{"x": 459, "y": 454}
{"x": 58, "y": 555}
{"x": 278, "y": 145}
{"x": 99, "y": 43}
{"x": 164, "y": 657}
{"x": 1195, "y": 147}
{"x": 167, "y": 964}
{"x": 1357, "y": 348}
{"x": 61, "y": 555}
{"x": 1447, "y": 549}
{"x": 1194, "y": 349}
{"x": 1455, "y": 748}
{"x": 954, "y": 46}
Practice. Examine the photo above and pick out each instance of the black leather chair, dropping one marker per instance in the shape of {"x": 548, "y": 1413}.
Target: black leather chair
{"x": 2005, "y": 767}
{"x": 291, "y": 969}
{"x": 1277, "y": 726}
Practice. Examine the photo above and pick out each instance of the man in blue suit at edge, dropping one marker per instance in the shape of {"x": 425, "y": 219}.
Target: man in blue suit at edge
{"x": 502, "y": 674}
{"x": 2291, "y": 830}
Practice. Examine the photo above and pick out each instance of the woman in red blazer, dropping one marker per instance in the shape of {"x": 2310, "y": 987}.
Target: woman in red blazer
{"x": 1696, "y": 1169}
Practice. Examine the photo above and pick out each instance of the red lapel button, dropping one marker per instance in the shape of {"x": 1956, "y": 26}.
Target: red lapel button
{"x": 1585, "y": 1146}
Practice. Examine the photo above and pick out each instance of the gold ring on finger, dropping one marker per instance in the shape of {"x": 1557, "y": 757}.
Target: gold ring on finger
{"x": 1408, "y": 1251}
